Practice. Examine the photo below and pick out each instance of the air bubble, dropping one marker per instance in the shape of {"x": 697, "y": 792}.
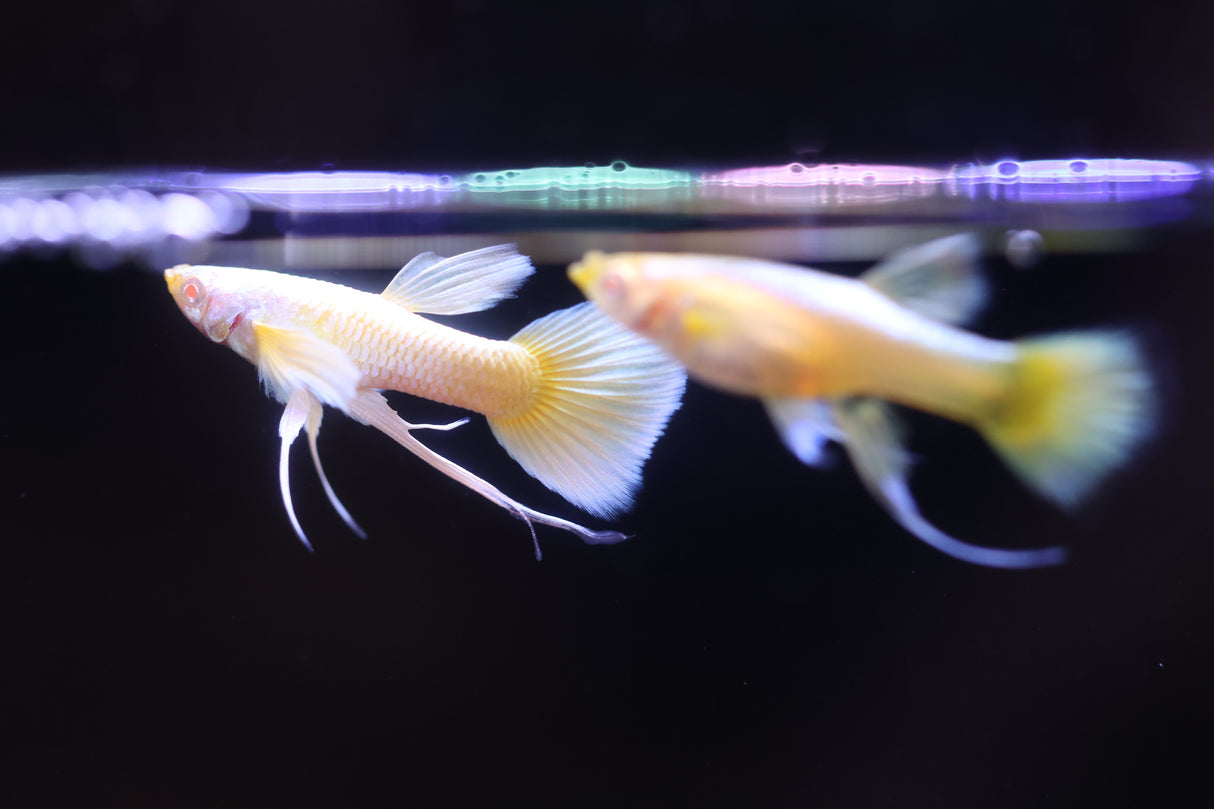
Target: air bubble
{"x": 1078, "y": 166}
{"x": 1007, "y": 168}
{"x": 796, "y": 168}
{"x": 619, "y": 165}
{"x": 1024, "y": 248}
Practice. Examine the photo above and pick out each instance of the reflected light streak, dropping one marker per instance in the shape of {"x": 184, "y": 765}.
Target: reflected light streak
{"x": 1073, "y": 180}
{"x": 825, "y": 185}
{"x": 155, "y": 213}
{"x": 336, "y": 191}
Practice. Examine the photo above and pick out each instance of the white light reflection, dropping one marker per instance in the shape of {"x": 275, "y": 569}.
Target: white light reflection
{"x": 186, "y": 216}
{"x": 54, "y": 221}
{"x": 8, "y": 227}
{"x": 319, "y": 192}
{"x": 106, "y": 219}
{"x": 230, "y": 211}
{"x": 23, "y": 218}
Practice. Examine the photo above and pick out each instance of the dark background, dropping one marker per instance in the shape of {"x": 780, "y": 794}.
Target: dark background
{"x": 768, "y": 637}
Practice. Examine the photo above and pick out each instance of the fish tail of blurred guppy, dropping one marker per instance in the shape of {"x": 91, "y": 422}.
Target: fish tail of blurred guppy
{"x": 576, "y": 399}
{"x": 1077, "y": 406}
{"x": 827, "y": 355}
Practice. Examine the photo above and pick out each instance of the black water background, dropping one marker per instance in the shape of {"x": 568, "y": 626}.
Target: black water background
{"x": 768, "y": 638}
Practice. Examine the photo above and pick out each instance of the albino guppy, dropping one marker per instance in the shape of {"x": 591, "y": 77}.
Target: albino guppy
{"x": 577, "y": 400}
{"x": 826, "y": 353}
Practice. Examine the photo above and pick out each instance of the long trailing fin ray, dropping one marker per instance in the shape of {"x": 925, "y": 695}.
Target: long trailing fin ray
{"x": 1079, "y": 405}
{"x": 874, "y": 445}
{"x": 289, "y": 360}
{"x": 604, "y": 398}
{"x": 371, "y": 408}
{"x": 468, "y": 282}
{"x": 293, "y": 417}
{"x": 315, "y": 414}
{"x": 939, "y": 279}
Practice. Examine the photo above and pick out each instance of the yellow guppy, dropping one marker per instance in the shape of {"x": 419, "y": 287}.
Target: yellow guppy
{"x": 826, "y": 353}
{"x": 575, "y": 398}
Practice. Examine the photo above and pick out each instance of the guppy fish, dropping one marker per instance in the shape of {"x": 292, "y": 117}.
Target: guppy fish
{"x": 577, "y": 400}
{"x": 827, "y": 353}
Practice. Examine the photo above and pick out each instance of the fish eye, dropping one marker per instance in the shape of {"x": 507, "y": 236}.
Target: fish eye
{"x": 193, "y": 291}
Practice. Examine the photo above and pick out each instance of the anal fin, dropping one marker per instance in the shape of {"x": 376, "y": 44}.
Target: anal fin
{"x": 873, "y": 441}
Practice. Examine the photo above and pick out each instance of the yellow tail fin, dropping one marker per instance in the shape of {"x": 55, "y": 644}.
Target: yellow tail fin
{"x": 1080, "y": 405}
{"x": 605, "y": 396}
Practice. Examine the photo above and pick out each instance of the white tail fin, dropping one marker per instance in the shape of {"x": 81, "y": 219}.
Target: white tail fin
{"x": 604, "y": 397}
{"x": 1080, "y": 405}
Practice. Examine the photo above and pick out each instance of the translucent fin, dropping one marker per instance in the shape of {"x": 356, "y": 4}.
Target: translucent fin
{"x": 293, "y": 359}
{"x": 604, "y": 398}
{"x": 1080, "y": 405}
{"x": 873, "y": 442}
{"x": 940, "y": 279}
{"x": 805, "y": 425}
{"x": 371, "y": 408}
{"x": 293, "y": 417}
{"x": 469, "y": 282}
{"x": 315, "y": 413}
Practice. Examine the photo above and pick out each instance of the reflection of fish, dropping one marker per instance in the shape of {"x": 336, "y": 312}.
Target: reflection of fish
{"x": 574, "y": 398}
{"x": 825, "y": 354}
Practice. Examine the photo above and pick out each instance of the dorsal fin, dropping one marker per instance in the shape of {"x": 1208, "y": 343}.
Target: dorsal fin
{"x": 469, "y": 282}
{"x": 939, "y": 279}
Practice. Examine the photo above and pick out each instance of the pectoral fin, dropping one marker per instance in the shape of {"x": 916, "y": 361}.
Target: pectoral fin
{"x": 293, "y": 417}
{"x": 805, "y": 426}
{"x": 939, "y": 279}
{"x": 469, "y": 282}
{"x": 872, "y": 437}
{"x": 304, "y": 409}
{"x": 315, "y": 413}
{"x": 295, "y": 359}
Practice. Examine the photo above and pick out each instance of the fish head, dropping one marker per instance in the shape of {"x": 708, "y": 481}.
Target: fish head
{"x": 628, "y": 288}
{"x": 215, "y": 301}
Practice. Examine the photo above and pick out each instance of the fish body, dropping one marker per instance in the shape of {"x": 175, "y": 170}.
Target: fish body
{"x": 392, "y": 347}
{"x": 576, "y": 399}
{"x": 827, "y": 353}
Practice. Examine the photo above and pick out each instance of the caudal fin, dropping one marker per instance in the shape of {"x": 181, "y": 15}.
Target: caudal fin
{"x": 1081, "y": 403}
{"x": 605, "y": 396}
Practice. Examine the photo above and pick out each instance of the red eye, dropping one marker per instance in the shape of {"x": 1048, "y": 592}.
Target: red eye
{"x": 193, "y": 291}
{"x": 612, "y": 284}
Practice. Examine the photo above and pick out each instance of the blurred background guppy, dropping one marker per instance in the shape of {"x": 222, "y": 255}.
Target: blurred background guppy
{"x": 825, "y": 353}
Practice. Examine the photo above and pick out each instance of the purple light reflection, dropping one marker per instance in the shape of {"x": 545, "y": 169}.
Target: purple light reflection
{"x": 1073, "y": 180}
